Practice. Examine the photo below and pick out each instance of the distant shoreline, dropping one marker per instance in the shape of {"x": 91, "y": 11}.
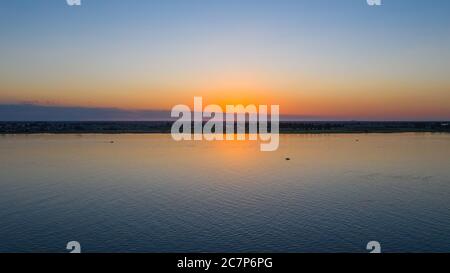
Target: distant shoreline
{"x": 162, "y": 127}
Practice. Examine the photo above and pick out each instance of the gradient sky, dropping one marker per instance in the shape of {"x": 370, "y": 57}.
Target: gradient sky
{"x": 340, "y": 59}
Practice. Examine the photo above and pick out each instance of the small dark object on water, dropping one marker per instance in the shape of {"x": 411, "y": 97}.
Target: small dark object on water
{"x": 111, "y": 141}
{"x": 287, "y": 158}
{"x": 357, "y": 140}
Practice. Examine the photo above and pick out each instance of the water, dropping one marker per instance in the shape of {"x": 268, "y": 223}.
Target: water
{"x": 147, "y": 193}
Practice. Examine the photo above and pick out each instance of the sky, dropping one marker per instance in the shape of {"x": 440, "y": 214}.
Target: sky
{"x": 316, "y": 58}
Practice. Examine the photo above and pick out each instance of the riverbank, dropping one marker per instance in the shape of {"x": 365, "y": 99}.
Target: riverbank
{"x": 286, "y": 127}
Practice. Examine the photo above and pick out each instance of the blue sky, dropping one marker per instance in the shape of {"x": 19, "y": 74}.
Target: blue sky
{"x": 151, "y": 54}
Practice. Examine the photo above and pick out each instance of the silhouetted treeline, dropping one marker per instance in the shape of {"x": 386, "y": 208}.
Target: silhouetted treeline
{"x": 165, "y": 127}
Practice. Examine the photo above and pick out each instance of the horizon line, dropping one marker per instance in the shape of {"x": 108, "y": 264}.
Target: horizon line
{"x": 29, "y": 112}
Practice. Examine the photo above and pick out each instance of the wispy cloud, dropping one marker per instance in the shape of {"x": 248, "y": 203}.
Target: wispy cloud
{"x": 45, "y": 112}
{"x": 33, "y": 112}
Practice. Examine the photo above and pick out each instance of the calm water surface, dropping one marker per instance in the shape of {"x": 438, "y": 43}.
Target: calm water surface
{"x": 147, "y": 193}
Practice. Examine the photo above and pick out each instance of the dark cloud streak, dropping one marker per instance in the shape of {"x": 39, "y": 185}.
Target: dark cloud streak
{"x": 36, "y": 112}
{"x": 31, "y": 112}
